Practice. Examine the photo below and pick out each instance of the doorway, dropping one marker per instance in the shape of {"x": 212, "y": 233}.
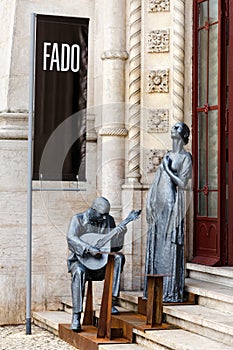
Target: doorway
{"x": 211, "y": 133}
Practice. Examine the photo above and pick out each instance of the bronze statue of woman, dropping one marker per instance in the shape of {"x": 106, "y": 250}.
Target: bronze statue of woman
{"x": 165, "y": 213}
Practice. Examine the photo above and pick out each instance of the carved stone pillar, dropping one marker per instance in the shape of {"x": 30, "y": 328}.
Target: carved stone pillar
{"x": 113, "y": 129}
{"x": 132, "y": 189}
{"x": 134, "y": 90}
{"x": 178, "y": 59}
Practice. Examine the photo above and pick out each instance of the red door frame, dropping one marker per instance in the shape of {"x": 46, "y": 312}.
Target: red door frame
{"x": 216, "y": 253}
{"x": 230, "y": 147}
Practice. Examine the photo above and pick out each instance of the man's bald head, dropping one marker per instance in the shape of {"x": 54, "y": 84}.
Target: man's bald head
{"x": 101, "y": 205}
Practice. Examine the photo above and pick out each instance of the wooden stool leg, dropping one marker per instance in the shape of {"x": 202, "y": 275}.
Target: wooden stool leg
{"x": 88, "y": 314}
{"x": 154, "y": 301}
{"x": 104, "y": 328}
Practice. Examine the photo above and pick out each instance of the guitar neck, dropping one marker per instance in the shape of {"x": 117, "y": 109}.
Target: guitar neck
{"x": 101, "y": 242}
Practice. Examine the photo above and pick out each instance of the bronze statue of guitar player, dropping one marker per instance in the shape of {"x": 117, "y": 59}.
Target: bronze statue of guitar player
{"x": 90, "y": 234}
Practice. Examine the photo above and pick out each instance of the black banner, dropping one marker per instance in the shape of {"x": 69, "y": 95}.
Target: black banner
{"x": 60, "y": 98}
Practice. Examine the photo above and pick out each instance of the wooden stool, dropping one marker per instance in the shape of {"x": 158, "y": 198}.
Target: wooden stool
{"x": 104, "y": 326}
{"x": 154, "y": 311}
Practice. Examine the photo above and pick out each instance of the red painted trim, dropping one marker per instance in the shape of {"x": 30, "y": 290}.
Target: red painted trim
{"x": 220, "y": 254}
{"x": 221, "y": 134}
{"x": 230, "y": 148}
{"x": 195, "y": 118}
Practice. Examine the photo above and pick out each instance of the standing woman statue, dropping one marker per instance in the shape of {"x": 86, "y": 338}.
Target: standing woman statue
{"x": 165, "y": 217}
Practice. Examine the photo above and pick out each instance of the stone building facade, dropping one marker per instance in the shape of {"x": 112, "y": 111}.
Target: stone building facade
{"x": 139, "y": 84}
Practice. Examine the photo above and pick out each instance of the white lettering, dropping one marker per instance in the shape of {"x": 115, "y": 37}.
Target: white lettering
{"x": 45, "y": 55}
{"x": 65, "y": 56}
{"x": 75, "y": 58}
{"x": 55, "y": 57}
{"x": 61, "y": 57}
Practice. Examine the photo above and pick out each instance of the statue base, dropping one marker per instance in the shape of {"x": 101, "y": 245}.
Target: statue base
{"x": 87, "y": 338}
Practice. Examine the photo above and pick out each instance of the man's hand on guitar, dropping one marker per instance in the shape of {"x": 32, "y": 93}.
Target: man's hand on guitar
{"x": 95, "y": 252}
{"x": 122, "y": 229}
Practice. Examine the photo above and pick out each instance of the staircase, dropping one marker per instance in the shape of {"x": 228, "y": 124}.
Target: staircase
{"x": 203, "y": 326}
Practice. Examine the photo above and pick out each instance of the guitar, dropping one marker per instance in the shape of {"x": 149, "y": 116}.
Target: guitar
{"x": 103, "y": 242}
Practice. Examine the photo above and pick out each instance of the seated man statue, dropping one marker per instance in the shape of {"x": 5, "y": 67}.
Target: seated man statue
{"x": 97, "y": 221}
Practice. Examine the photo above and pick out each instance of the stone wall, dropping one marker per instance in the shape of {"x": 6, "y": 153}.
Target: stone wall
{"x": 51, "y": 210}
{"x": 132, "y": 85}
{"x": 13, "y": 230}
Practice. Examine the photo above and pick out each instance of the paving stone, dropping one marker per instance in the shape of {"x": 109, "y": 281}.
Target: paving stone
{"x": 15, "y": 338}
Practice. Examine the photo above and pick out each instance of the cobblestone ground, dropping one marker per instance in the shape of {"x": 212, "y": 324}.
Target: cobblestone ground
{"x": 14, "y": 338}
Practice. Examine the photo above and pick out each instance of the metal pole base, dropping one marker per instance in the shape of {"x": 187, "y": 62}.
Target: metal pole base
{"x": 28, "y": 326}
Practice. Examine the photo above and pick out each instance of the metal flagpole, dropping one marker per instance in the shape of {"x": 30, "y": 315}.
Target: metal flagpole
{"x": 29, "y": 185}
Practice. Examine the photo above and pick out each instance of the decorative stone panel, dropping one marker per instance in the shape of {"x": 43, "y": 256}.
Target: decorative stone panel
{"x": 158, "y": 80}
{"x": 158, "y": 120}
{"x": 158, "y": 40}
{"x": 154, "y": 158}
{"x": 159, "y": 5}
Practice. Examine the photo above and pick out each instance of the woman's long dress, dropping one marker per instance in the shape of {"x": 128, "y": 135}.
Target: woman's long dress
{"x": 165, "y": 236}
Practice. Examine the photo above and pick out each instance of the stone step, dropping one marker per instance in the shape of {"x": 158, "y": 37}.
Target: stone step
{"x": 211, "y": 320}
{"x": 67, "y": 304}
{"x": 219, "y": 275}
{"x": 177, "y": 339}
{"x": 50, "y": 320}
{"x": 129, "y": 300}
{"x": 212, "y": 295}
{"x": 122, "y": 347}
{"x": 204, "y": 321}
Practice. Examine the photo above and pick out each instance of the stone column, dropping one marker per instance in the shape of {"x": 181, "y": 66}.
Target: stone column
{"x": 113, "y": 130}
{"x": 134, "y": 90}
{"x": 132, "y": 189}
{"x": 178, "y": 59}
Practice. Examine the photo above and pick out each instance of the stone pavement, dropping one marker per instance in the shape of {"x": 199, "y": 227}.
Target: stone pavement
{"x": 15, "y": 338}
